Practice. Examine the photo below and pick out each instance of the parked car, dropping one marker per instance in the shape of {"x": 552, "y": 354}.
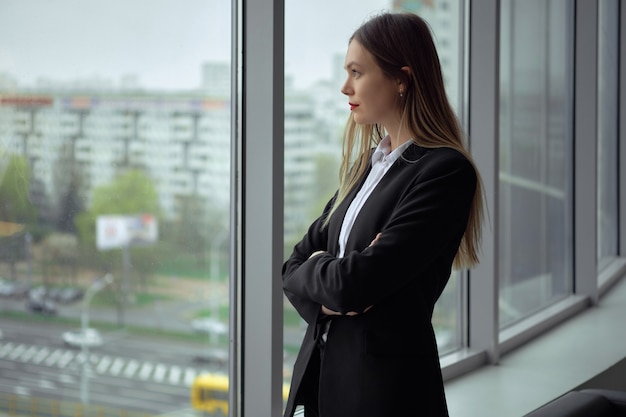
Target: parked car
{"x": 209, "y": 325}
{"x": 53, "y": 293}
{"x": 13, "y": 289}
{"x": 41, "y": 305}
{"x": 76, "y": 338}
{"x": 69, "y": 295}
{"x": 20, "y": 289}
{"x": 63, "y": 295}
{"x": 38, "y": 301}
{"x": 39, "y": 291}
{"x": 6, "y": 288}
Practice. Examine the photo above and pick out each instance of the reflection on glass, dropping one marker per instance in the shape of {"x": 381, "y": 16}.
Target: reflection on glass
{"x": 114, "y": 161}
{"x": 535, "y": 154}
{"x": 315, "y": 115}
{"x": 607, "y": 131}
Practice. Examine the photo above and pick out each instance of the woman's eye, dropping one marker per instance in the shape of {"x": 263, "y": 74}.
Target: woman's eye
{"x": 355, "y": 73}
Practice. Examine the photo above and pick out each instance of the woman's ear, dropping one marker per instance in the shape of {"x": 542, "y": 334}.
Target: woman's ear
{"x": 403, "y": 83}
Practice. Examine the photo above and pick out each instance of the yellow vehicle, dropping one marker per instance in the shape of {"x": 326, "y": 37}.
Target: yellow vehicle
{"x": 209, "y": 392}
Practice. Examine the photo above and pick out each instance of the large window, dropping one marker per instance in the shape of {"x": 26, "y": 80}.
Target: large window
{"x": 114, "y": 204}
{"x": 535, "y": 156}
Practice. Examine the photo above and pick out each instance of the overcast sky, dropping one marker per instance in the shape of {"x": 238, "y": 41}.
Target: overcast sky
{"x": 162, "y": 42}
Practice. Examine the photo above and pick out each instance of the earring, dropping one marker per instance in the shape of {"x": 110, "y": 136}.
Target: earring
{"x": 401, "y": 94}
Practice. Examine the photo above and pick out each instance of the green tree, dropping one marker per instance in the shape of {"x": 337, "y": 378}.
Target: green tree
{"x": 15, "y": 208}
{"x": 132, "y": 192}
{"x": 15, "y": 203}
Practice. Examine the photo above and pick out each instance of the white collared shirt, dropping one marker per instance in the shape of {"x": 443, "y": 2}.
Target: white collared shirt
{"x": 382, "y": 160}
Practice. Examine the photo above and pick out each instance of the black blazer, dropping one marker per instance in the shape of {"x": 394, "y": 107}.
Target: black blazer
{"x": 383, "y": 362}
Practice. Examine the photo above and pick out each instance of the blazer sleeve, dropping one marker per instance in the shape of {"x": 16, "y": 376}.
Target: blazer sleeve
{"x": 315, "y": 239}
{"x": 427, "y": 221}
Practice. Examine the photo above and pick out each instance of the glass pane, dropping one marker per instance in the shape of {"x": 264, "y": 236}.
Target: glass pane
{"x": 114, "y": 205}
{"x": 535, "y": 154}
{"x": 316, "y": 112}
{"x": 608, "y": 63}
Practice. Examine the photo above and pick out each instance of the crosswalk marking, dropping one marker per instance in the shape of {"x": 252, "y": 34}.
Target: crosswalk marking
{"x": 17, "y": 351}
{"x": 65, "y": 359}
{"x": 190, "y": 374}
{"x": 102, "y": 364}
{"x": 6, "y": 349}
{"x": 175, "y": 373}
{"x": 50, "y": 360}
{"x": 159, "y": 372}
{"x": 41, "y": 355}
{"x": 28, "y": 354}
{"x": 131, "y": 368}
{"x": 145, "y": 371}
{"x": 117, "y": 366}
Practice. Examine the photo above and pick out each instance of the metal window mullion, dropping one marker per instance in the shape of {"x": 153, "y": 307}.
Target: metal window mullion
{"x": 483, "y": 132}
{"x": 621, "y": 170}
{"x": 585, "y": 149}
{"x": 256, "y": 290}
{"x": 234, "y": 275}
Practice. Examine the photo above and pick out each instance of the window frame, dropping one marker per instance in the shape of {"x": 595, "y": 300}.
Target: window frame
{"x": 256, "y": 301}
{"x": 257, "y": 204}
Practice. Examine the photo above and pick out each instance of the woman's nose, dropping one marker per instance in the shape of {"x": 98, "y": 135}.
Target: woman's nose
{"x": 346, "y": 89}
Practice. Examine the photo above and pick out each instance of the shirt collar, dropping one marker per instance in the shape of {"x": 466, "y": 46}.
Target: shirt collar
{"x": 383, "y": 150}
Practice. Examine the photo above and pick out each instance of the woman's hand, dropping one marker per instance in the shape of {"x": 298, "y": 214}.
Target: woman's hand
{"x": 330, "y": 312}
{"x": 376, "y": 239}
{"x": 317, "y": 252}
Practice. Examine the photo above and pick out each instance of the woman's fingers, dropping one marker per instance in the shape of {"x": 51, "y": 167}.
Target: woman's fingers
{"x": 376, "y": 239}
{"x": 330, "y": 312}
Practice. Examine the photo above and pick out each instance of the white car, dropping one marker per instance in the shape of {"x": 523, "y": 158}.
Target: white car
{"x": 91, "y": 338}
{"x": 209, "y": 325}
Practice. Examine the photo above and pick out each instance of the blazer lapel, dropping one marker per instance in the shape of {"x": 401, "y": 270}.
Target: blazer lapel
{"x": 334, "y": 228}
{"x": 410, "y": 155}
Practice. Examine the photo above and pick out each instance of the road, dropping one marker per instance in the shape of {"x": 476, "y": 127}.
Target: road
{"x": 152, "y": 376}
{"x": 129, "y": 372}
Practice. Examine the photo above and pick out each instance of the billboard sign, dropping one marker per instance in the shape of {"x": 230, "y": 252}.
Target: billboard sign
{"x": 118, "y": 231}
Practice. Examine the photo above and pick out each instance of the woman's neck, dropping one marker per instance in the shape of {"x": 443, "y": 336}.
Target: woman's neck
{"x": 397, "y": 132}
{"x": 398, "y": 139}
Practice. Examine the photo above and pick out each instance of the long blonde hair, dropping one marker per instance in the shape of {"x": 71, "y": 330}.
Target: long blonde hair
{"x": 398, "y": 40}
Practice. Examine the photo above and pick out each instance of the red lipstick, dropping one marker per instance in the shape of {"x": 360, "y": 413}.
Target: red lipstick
{"x": 353, "y": 106}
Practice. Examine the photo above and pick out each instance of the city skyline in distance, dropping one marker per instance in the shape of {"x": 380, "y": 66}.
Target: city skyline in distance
{"x": 119, "y": 44}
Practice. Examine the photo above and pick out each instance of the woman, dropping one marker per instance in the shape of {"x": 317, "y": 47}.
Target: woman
{"x": 369, "y": 270}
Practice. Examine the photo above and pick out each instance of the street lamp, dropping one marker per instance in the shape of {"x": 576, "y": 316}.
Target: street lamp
{"x": 84, "y": 318}
{"x": 216, "y": 244}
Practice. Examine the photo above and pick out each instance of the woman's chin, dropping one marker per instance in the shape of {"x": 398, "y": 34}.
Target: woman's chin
{"x": 360, "y": 120}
